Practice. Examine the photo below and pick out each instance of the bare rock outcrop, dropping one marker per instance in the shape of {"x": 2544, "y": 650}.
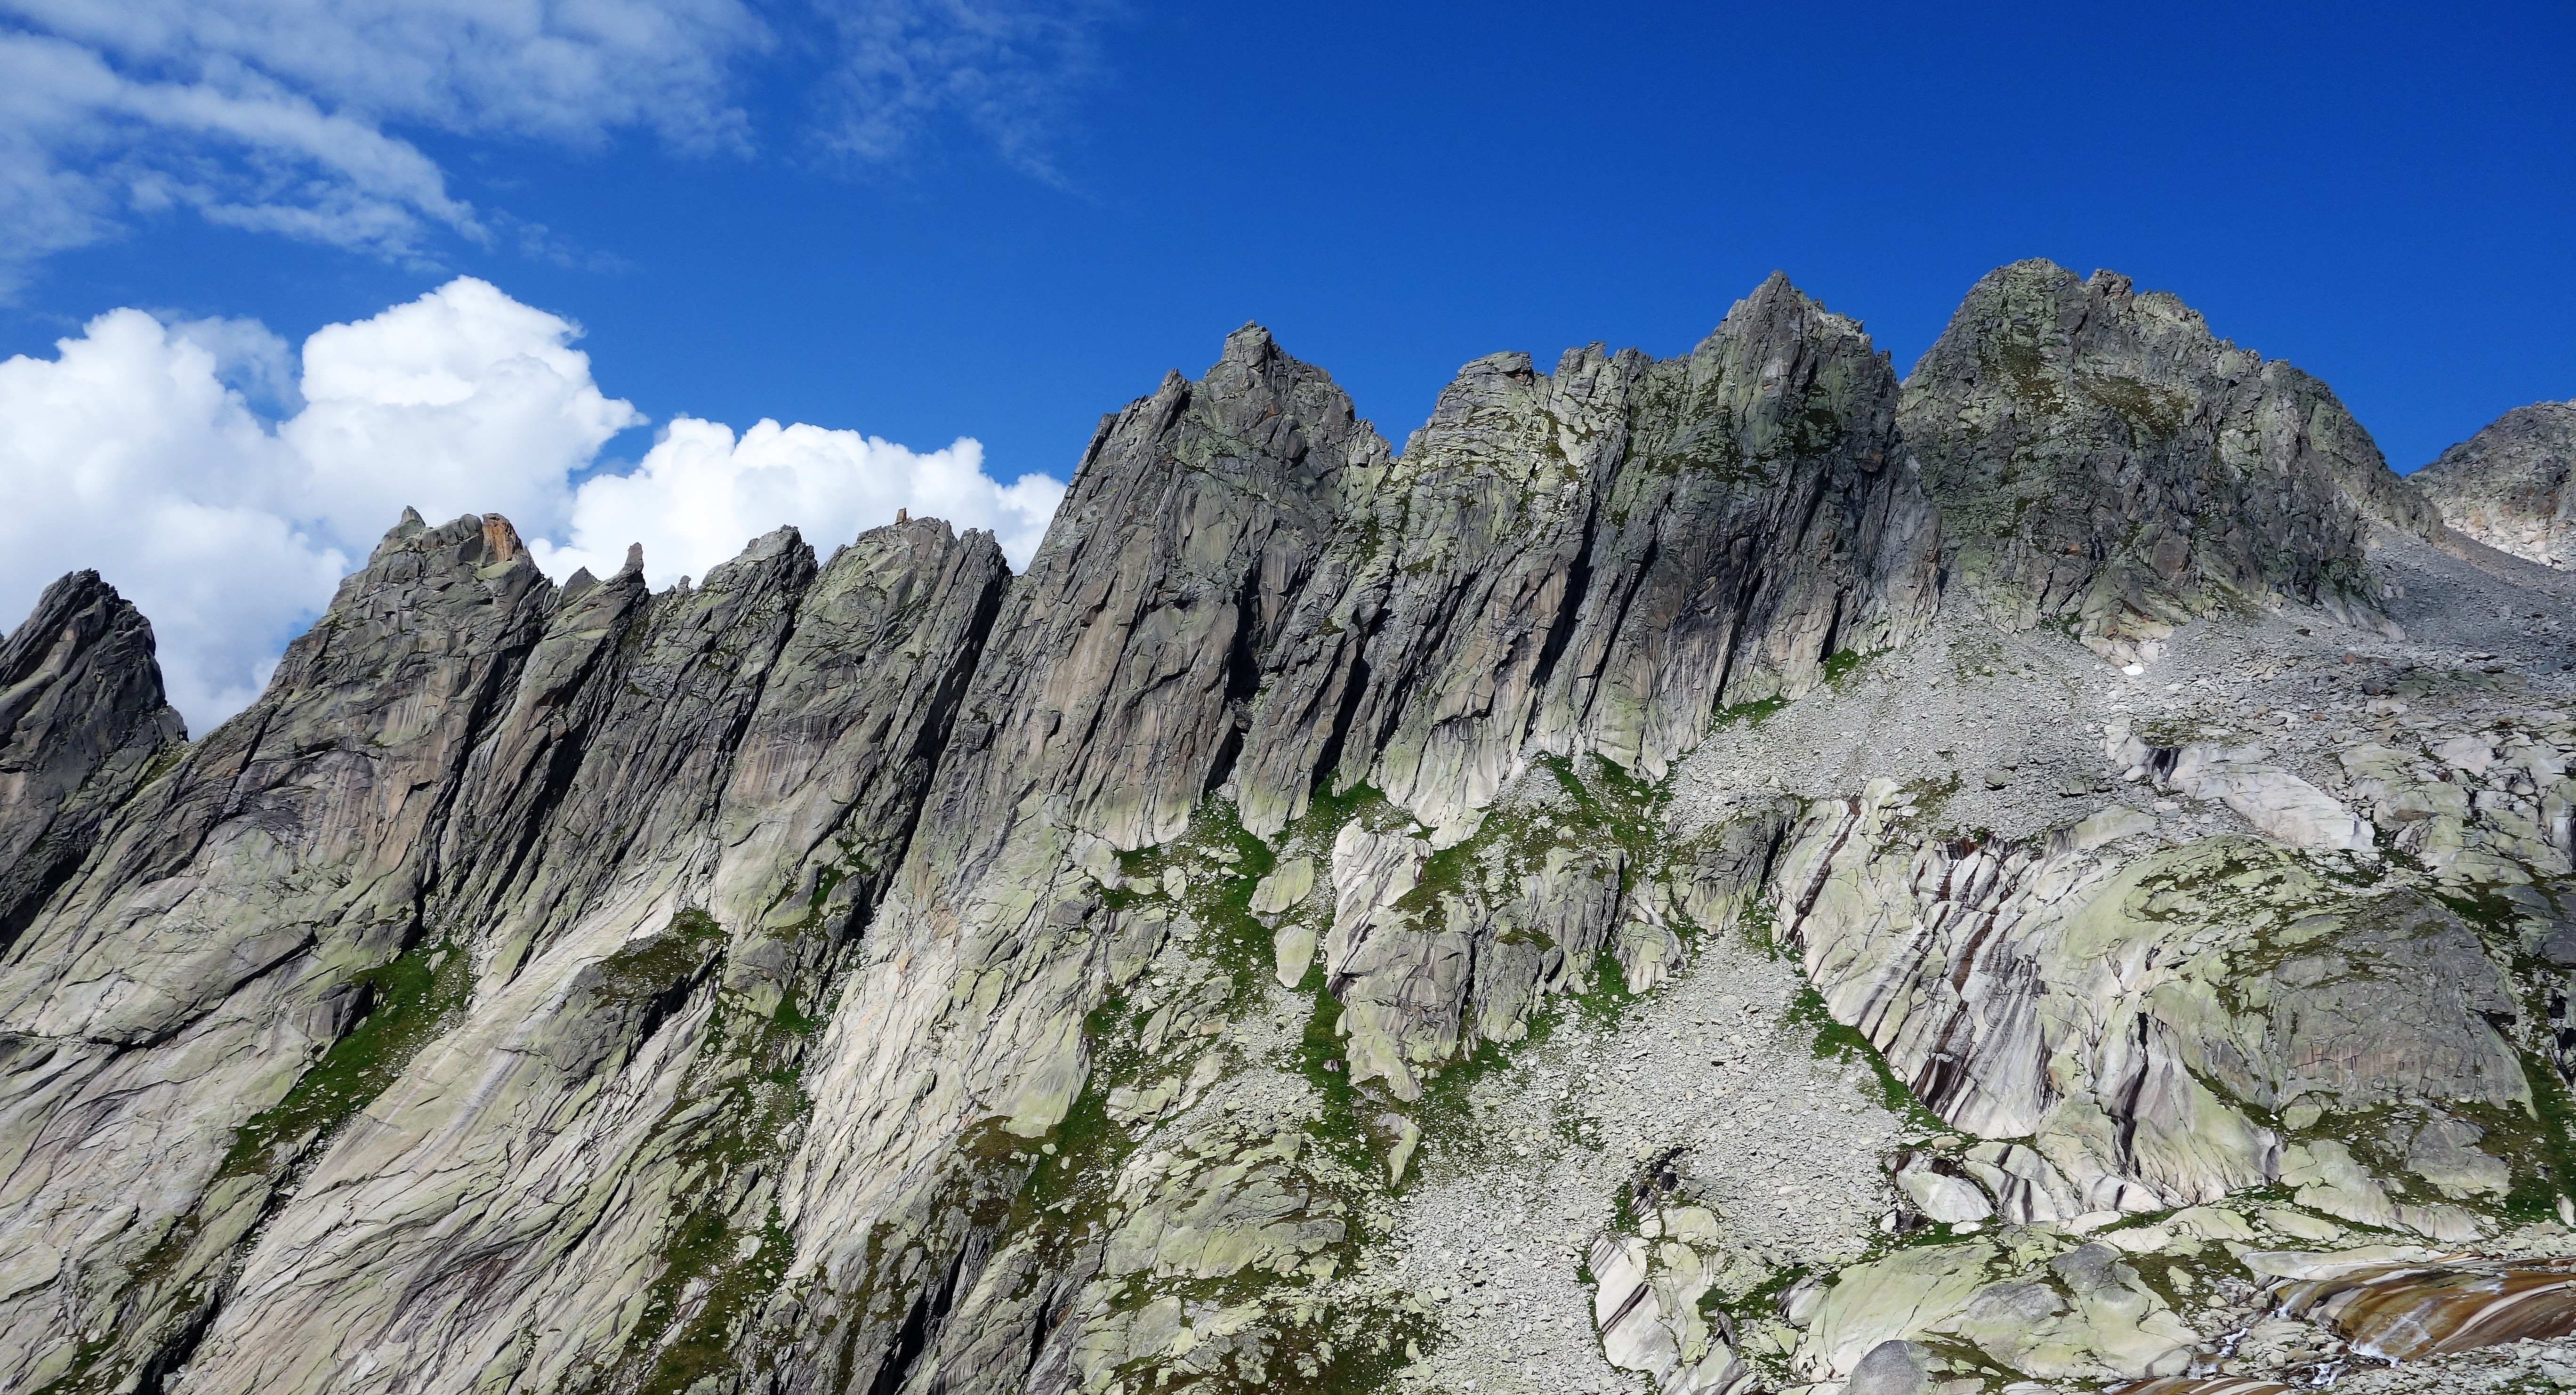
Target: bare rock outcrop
{"x": 2508, "y": 485}
{"x": 878, "y": 972}
{"x": 2098, "y": 455}
{"x": 603, "y": 1124}
{"x": 2141, "y": 1023}
{"x": 234, "y": 920}
{"x": 389, "y": 1020}
{"x": 1247, "y": 596}
{"x": 82, "y": 721}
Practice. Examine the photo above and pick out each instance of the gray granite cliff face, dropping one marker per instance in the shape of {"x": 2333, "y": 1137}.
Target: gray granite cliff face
{"x": 2098, "y": 454}
{"x": 1527, "y": 909}
{"x": 82, "y": 719}
{"x": 444, "y": 904}
{"x": 2507, "y": 486}
{"x": 222, "y": 933}
{"x": 1246, "y": 597}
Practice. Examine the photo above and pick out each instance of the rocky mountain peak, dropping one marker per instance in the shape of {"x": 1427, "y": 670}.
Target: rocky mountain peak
{"x": 1250, "y": 344}
{"x": 2508, "y": 485}
{"x": 2097, "y": 454}
{"x": 82, "y": 722}
{"x": 500, "y": 541}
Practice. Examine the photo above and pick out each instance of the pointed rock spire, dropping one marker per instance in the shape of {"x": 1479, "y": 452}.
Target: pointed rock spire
{"x": 81, "y": 717}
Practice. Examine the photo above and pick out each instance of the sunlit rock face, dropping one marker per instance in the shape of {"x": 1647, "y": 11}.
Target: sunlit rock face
{"x": 2508, "y": 485}
{"x": 1719, "y": 873}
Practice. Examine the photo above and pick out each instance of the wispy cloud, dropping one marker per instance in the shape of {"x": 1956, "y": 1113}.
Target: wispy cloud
{"x": 1006, "y": 69}
{"x": 286, "y": 116}
{"x": 87, "y": 146}
{"x": 569, "y": 71}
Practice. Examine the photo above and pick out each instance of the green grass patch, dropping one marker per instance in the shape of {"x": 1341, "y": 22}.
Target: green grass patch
{"x": 411, "y": 1000}
{"x": 1840, "y": 665}
{"x": 1749, "y": 714}
{"x": 721, "y": 1258}
{"x": 1834, "y": 1040}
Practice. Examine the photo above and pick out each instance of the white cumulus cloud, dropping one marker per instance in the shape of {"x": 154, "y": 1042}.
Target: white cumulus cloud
{"x": 137, "y": 451}
{"x": 461, "y": 401}
{"x": 701, "y": 492}
{"x": 127, "y": 454}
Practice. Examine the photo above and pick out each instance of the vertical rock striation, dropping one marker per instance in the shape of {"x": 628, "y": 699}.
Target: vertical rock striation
{"x": 1246, "y": 596}
{"x": 374, "y": 1020}
{"x": 590, "y": 1152}
{"x": 230, "y": 925}
{"x": 1595, "y": 561}
{"x": 82, "y": 720}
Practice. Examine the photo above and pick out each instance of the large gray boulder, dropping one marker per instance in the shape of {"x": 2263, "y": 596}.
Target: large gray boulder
{"x": 1893, "y": 1367}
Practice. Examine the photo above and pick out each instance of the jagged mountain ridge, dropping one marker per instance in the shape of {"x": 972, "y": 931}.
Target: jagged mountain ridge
{"x": 663, "y": 833}
{"x": 80, "y": 697}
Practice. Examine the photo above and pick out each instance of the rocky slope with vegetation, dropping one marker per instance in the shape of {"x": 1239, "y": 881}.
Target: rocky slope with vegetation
{"x": 1711, "y": 874}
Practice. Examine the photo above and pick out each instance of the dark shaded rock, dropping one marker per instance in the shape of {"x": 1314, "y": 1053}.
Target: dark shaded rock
{"x": 2404, "y": 1004}
{"x": 82, "y": 721}
{"x": 2098, "y": 454}
{"x": 1891, "y": 1368}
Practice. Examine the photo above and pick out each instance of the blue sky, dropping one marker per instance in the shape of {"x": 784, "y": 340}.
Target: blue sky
{"x": 930, "y": 219}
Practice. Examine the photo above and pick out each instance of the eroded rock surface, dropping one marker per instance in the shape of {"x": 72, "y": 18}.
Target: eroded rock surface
{"x": 82, "y": 721}
{"x": 1622, "y": 893}
{"x": 2098, "y": 454}
{"x": 2507, "y": 486}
